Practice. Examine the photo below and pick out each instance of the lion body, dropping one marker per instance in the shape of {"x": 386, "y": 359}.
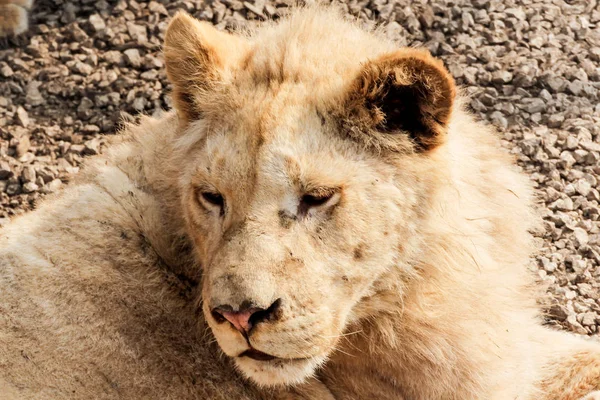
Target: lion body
{"x": 100, "y": 285}
{"x": 90, "y": 308}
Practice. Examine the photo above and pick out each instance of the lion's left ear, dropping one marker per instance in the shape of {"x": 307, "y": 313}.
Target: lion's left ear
{"x": 405, "y": 92}
{"x": 197, "y": 57}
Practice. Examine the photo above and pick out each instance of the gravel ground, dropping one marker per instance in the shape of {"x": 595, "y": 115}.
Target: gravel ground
{"x": 531, "y": 68}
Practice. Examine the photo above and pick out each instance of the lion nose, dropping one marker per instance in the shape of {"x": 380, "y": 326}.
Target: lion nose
{"x": 247, "y": 316}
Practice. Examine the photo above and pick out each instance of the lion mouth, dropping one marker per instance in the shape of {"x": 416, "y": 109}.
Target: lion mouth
{"x": 262, "y": 356}
{"x": 257, "y": 355}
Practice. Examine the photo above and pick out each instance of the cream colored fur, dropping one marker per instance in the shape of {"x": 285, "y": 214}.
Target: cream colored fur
{"x": 408, "y": 283}
{"x": 14, "y": 16}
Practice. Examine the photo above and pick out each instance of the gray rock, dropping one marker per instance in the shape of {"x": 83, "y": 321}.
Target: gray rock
{"x": 535, "y": 106}
{"x": 559, "y": 312}
{"x": 580, "y": 237}
{"x": 133, "y": 57}
{"x": 13, "y": 189}
{"x": 30, "y": 187}
{"x": 22, "y": 116}
{"x": 97, "y": 23}
{"x": 502, "y": 77}
{"x": 137, "y": 32}
{"x": 517, "y": 13}
{"x": 33, "y": 96}
{"x": 28, "y": 174}
{"x": 589, "y": 318}
{"x": 92, "y": 146}
{"x": 53, "y": 186}
{"x": 583, "y": 187}
{"x": 82, "y": 68}
{"x": 5, "y": 170}
{"x": 23, "y": 146}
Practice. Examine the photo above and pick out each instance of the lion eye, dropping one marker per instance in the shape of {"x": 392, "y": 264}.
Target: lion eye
{"x": 324, "y": 197}
{"x": 212, "y": 199}
{"x": 310, "y": 200}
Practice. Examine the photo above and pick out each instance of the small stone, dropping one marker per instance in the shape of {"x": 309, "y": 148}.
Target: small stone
{"x": 567, "y": 158}
{"x": 46, "y": 174}
{"x": 480, "y": 3}
{"x": 548, "y": 265}
{"x": 137, "y": 32}
{"x": 258, "y": 10}
{"x": 82, "y": 68}
{"x": 157, "y": 8}
{"x": 570, "y": 295}
{"x": 22, "y": 116}
{"x": 556, "y": 83}
{"x": 90, "y": 129}
{"x": 502, "y": 77}
{"x": 517, "y": 13}
{"x": 53, "y": 186}
{"x": 30, "y": 187}
{"x": 586, "y": 290}
{"x": 77, "y": 148}
{"x": 28, "y": 174}
{"x": 139, "y": 103}
{"x": 589, "y": 318}
{"x": 114, "y": 57}
{"x": 151, "y": 62}
{"x": 85, "y": 104}
{"x": 499, "y": 120}
{"x": 559, "y": 312}
{"x": 6, "y": 71}
{"x": 575, "y": 87}
{"x": 5, "y": 170}
{"x": 13, "y": 189}
{"x": 427, "y": 17}
{"x": 92, "y": 146}
{"x": 24, "y": 145}
{"x": 149, "y": 75}
{"x": 133, "y": 58}
{"x": 27, "y": 158}
{"x": 583, "y": 187}
{"x": 97, "y": 23}
{"x": 34, "y": 97}
{"x": 581, "y": 237}
{"x": 555, "y": 120}
{"x": 535, "y": 106}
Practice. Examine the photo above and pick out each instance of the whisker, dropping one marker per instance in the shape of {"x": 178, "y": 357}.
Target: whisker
{"x": 342, "y": 335}
{"x": 344, "y": 352}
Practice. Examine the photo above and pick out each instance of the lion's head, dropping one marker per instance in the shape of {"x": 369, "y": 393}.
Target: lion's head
{"x": 305, "y": 156}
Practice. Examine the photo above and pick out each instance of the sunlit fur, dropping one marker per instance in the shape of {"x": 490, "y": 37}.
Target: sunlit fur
{"x": 411, "y": 285}
{"x": 415, "y": 284}
{"x": 14, "y": 18}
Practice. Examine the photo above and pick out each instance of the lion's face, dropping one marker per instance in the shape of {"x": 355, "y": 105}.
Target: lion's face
{"x": 293, "y": 228}
{"x": 295, "y": 221}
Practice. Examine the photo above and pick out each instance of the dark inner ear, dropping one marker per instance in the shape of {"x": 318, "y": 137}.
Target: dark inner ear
{"x": 406, "y": 94}
{"x": 401, "y": 107}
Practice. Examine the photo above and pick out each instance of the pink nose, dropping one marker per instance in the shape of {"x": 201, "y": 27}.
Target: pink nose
{"x": 244, "y": 319}
{"x": 240, "y": 320}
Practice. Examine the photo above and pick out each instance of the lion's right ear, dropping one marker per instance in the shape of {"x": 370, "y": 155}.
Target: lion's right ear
{"x": 404, "y": 93}
{"x": 197, "y": 57}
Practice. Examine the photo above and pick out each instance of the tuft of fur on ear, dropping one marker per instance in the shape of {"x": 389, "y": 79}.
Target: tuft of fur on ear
{"x": 406, "y": 92}
{"x": 197, "y": 58}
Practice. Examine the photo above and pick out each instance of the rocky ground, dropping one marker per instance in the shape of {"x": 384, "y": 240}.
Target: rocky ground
{"x": 531, "y": 68}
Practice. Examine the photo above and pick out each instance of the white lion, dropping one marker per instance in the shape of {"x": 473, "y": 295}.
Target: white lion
{"x": 323, "y": 203}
